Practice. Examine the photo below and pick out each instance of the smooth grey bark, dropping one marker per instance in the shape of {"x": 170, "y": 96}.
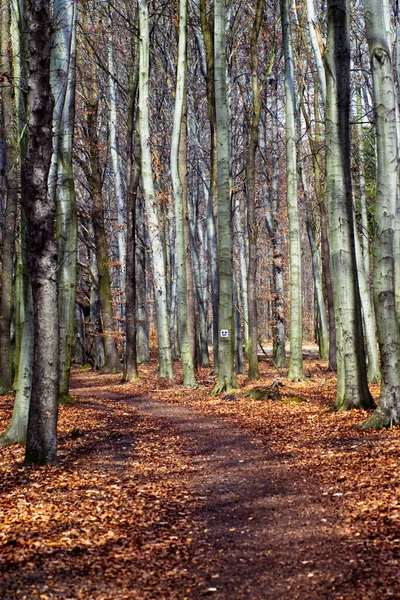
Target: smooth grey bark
{"x": 296, "y": 336}
{"x": 323, "y": 336}
{"x": 176, "y": 160}
{"x": 40, "y": 212}
{"x": 352, "y": 388}
{"x": 157, "y": 249}
{"x": 61, "y": 178}
{"x": 368, "y": 314}
{"x": 226, "y": 376}
{"x": 386, "y": 204}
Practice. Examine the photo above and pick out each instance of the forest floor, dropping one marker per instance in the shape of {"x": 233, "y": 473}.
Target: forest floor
{"x": 168, "y": 493}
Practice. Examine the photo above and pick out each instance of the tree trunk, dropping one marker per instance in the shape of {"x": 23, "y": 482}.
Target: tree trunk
{"x": 207, "y": 26}
{"x": 252, "y": 227}
{"x": 177, "y": 161}
{"x": 296, "y": 335}
{"x": 352, "y": 389}
{"x": 132, "y": 183}
{"x": 61, "y": 179}
{"x": 40, "y": 211}
{"x": 386, "y": 198}
{"x": 226, "y": 376}
{"x": 12, "y": 182}
{"x": 157, "y": 253}
{"x": 17, "y": 429}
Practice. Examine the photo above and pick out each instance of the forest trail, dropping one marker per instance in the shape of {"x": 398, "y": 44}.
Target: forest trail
{"x": 261, "y": 527}
{"x": 163, "y": 493}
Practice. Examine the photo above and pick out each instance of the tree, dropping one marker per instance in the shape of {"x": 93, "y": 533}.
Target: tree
{"x": 352, "y": 390}
{"x": 39, "y": 208}
{"x": 157, "y": 252}
{"x": 386, "y": 207}
{"x": 61, "y": 179}
{"x": 252, "y": 226}
{"x": 296, "y": 337}
{"x": 226, "y": 376}
{"x": 189, "y": 379}
{"x": 11, "y": 182}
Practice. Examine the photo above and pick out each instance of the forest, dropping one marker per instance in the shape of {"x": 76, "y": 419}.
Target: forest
{"x": 199, "y": 299}
{"x": 204, "y": 177}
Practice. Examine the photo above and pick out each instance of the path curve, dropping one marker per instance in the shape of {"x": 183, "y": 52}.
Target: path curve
{"x": 266, "y": 531}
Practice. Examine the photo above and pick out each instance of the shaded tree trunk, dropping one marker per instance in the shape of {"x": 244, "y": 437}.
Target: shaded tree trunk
{"x": 352, "y": 389}
{"x": 40, "y": 211}
{"x": 226, "y": 376}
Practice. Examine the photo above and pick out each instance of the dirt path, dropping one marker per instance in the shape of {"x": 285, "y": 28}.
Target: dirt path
{"x": 261, "y": 528}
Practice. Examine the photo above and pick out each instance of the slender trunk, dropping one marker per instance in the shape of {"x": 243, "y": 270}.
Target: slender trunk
{"x": 157, "y": 254}
{"x": 207, "y": 27}
{"x": 61, "y": 180}
{"x": 296, "y": 349}
{"x": 142, "y": 317}
{"x": 17, "y": 429}
{"x": 115, "y": 159}
{"x": 132, "y": 183}
{"x": 177, "y": 162}
{"x": 252, "y": 227}
{"x": 12, "y": 182}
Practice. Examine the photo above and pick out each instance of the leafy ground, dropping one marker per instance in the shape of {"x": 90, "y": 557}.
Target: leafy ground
{"x": 163, "y": 492}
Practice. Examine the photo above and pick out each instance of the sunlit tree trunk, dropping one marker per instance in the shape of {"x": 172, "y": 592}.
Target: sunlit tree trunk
{"x": 157, "y": 250}
{"x": 373, "y": 371}
{"x": 296, "y": 348}
{"x": 226, "y": 376}
{"x": 386, "y": 199}
{"x": 352, "y": 389}
{"x": 61, "y": 179}
{"x": 40, "y": 211}
{"x": 180, "y": 246}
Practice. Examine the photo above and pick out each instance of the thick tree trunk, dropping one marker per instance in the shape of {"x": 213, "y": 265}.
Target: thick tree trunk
{"x": 41, "y": 445}
{"x": 226, "y": 376}
{"x": 386, "y": 199}
{"x": 352, "y": 389}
